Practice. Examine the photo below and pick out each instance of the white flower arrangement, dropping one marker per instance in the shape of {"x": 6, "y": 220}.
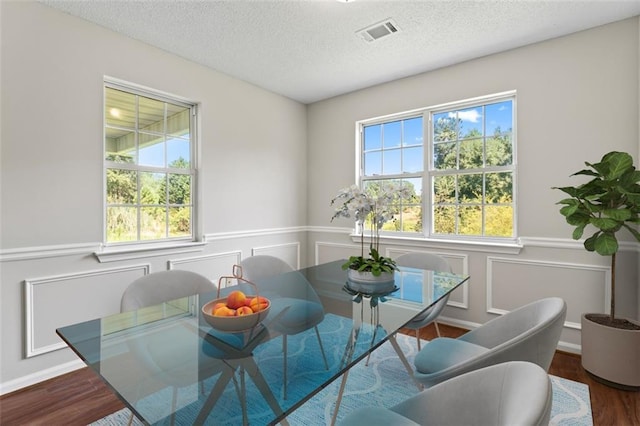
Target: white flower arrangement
{"x": 376, "y": 208}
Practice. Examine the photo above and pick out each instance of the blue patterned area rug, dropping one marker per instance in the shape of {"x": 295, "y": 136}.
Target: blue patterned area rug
{"x": 384, "y": 382}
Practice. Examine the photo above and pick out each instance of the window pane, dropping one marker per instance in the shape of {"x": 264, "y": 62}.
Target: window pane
{"x": 499, "y": 117}
{"x": 120, "y": 145}
{"x": 119, "y": 109}
{"x": 392, "y": 225}
{"x": 373, "y": 137}
{"x": 413, "y": 159}
{"x": 445, "y": 156}
{"x": 471, "y": 154}
{"x": 499, "y": 187}
{"x": 152, "y": 188}
{"x": 444, "y": 128}
{"x": 179, "y": 221}
{"x": 179, "y": 189}
{"x": 372, "y": 186}
{"x": 178, "y": 120}
{"x": 444, "y": 220}
{"x": 392, "y": 135}
{"x": 413, "y": 132}
{"x": 444, "y": 189}
{"x": 153, "y": 223}
{"x": 373, "y": 163}
{"x": 415, "y": 187}
{"x": 499, "y": 150}
{"x": 498, "y": 221}
{"x": 470, "y": 220}
{"x": 391, "y": 162}
{"x": 470, "y": 122}
{"x": 412, "y": 219}
{"x": 151, "y": 115}
{"x": 178, "y": 155}
{"x": 151, "y": 151}
{"x": 122, "y": 186}
{"x": 470, "y": 188}
{"x": 122, "y": 224}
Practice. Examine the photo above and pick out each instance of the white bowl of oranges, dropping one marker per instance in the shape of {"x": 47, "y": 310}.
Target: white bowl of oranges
{"x": 236, "y": 312}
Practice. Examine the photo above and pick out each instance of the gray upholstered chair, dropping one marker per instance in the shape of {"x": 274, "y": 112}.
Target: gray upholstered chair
{"x": 506, "y": 394}
{"x": 432, "y": 262}
{"x": 295, "y": 306}
{"x": 529, "y": 333}
{"x": 170, "y": 363}
{"x": 160, "y": 287}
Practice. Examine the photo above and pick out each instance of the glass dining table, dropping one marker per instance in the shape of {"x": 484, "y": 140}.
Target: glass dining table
{"x": 169, "y": 366}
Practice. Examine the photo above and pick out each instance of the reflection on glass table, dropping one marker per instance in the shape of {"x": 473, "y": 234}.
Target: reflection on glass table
{"x": 236, "y": 378}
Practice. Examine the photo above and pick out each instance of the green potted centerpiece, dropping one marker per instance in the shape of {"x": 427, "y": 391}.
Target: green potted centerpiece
{"x": 610, "y": 203}
{"x": 372, "y": 273}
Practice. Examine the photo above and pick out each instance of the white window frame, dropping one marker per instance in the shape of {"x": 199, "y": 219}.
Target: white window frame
{"x": 109, "y": 247}
{"x": 428, "y": 172}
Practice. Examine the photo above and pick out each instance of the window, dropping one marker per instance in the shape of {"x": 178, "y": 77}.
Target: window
{"x": 149, "y": 147}
{"x": 467, "y": 164}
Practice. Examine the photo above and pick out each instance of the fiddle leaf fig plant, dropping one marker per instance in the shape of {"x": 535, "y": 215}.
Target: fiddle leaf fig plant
{"x": 608, "y": 203}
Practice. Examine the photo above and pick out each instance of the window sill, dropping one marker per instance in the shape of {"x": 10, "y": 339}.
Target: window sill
{"x": 119, "y": 253}
{"x": 507, "y": 247}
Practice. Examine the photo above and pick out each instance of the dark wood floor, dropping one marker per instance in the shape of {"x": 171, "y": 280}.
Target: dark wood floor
{"x": 80, "y": 397}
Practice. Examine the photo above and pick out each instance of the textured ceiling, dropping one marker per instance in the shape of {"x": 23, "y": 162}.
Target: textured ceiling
{"x": 308, "y": 50}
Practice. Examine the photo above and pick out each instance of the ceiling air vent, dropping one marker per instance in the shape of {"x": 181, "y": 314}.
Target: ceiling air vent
{"x": 378, "y": 30}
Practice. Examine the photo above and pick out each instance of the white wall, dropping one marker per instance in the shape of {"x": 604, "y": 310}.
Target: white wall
{"x": 252, "y": 178}
{"x": 577, "y": 98}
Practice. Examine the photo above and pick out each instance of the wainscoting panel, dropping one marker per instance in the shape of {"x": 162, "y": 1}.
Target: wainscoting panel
{"x": 55, "y": 301}
{"x": 328, "y": 251}
{"x": 515, "y": 282}
{"x": 212, "y": 266}
{"x": 289, "y": 252}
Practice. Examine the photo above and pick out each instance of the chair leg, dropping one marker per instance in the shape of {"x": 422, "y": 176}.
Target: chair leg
{"x": 284, "y": 369}
{"x": 174, "y": 402}
{"x": 324, "y": 357}
{"x": 405, "y": 362}
{"x": 418, "y": 338}
{"x": 437, "y": 328}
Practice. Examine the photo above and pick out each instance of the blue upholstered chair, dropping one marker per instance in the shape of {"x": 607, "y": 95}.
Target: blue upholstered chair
{"x": 295, "y": 306}
{"x": 432, "y": 262}
{"x": 506, "y": 394}
{"x": 529, "y": 333}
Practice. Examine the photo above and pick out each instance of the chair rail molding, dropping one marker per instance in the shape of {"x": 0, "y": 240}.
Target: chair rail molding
{"x": 252, "y": 233}
{"x": 331, "y": 230}
{"x": 568, "y": 243}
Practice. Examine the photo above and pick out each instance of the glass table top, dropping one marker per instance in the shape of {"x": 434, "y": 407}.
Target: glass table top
{"x": 168, "y": 364}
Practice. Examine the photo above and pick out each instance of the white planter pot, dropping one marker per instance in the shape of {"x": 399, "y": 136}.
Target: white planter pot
{"x": 611, "y": 354}
{"x": 366, "y": 282}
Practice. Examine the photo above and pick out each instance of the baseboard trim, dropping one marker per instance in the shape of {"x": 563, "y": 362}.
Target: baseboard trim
{"x": 40, "y": 376}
